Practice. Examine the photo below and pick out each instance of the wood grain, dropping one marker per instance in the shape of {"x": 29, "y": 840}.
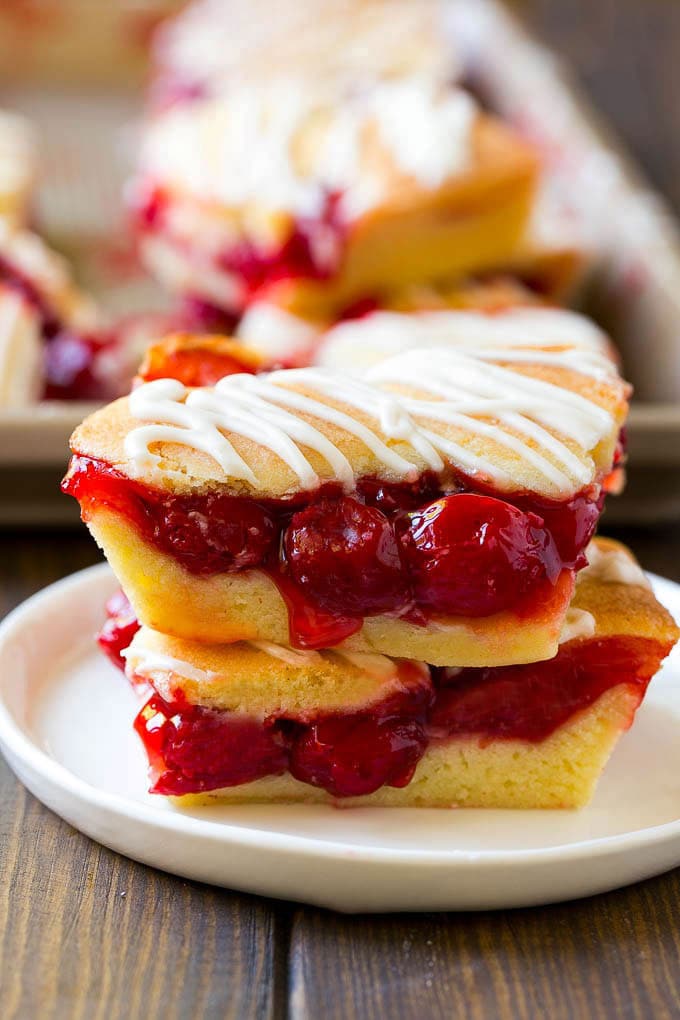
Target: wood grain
{"x": 89, "y": 934}
{"x": 611, "y": 956}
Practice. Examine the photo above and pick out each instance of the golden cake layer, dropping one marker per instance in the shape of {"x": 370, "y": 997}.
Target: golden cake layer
{"x": 248, "y": 607}
{"x": 560, "y": 772}
{"x": 573, "y": 420}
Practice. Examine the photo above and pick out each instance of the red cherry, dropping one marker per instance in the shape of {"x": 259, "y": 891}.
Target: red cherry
{"x": 475, "y": 555}
{"x": 572, "y": 524}
{"x": 345, "y": 557}
{"x": 119, "y": 629}
{"x": 350, "y": 757}
{"x": 215, "y": 533}
{"x": 192, "y": 748}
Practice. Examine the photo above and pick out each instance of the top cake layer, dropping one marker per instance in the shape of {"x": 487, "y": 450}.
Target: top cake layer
{"x": 512, "y": 411}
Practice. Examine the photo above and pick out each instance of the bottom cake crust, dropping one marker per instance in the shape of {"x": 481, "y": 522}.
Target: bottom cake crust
{"x": 559, "y": 772}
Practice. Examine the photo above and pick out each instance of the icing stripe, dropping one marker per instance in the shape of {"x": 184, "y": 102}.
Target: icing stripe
{"x": 529, "y": 335}
{"x": 144, "y": 659}
{"x": 422, "y": 399}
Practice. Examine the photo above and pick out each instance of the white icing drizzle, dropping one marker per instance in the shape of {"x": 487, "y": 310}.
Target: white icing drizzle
{"x": 21, "y": 352}
{"x": 612, "y": 565}
{"x": 378, "y": 666}
{"x": 141, "y": 659}
{"x": 291, "y": 656}
{"x": 578, "y": 623}
{"x": 246, "y": 148}
{"x": 531, "y": 335}
{"x": 355, "y": 42}
{"x": 454, "y": 387}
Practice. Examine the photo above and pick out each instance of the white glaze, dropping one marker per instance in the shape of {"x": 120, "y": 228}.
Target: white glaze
{"x": 613, "y": 566}
{"x": 218, "y": 43}
{"x": 247, "y": 149}
{"x": 578, "y": 623}
{"x": 49, "y": 274}
{"x": 291, "y": 656}
{"x": 381, "y": 667}
{"x": 276, "y": 333}
{"x": 528, "y": 416}
{"x": 531, "y": 335}
{"x": 17, "y": 164}
{"x": 142, "y": 660}
{"x": 21, "y": 352}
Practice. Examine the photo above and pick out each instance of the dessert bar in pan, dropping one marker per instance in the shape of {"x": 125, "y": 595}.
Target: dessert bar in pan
{"x": 332, "y": 199}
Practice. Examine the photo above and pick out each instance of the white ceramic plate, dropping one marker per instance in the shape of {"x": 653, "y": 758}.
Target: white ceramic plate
{"x": 65, "y": 728}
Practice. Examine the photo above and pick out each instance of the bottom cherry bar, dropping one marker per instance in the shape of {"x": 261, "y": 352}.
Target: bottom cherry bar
{"x": 259, "y": 722}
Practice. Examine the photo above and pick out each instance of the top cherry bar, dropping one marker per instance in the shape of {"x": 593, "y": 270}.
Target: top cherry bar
{"x": 436, "y": 507}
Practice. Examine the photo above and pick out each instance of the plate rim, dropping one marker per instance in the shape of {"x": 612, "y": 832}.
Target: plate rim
{"x": 16, "y": 744}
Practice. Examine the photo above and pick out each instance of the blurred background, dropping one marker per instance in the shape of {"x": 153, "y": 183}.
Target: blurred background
{"x": 82, "y": 73}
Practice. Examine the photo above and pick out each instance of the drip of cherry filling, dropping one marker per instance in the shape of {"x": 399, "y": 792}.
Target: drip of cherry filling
{"x": 406, "y": 549}
{"x": 312, "y": 250}
{"x": 192, "y": 749}
{"x": 118, "y": 630}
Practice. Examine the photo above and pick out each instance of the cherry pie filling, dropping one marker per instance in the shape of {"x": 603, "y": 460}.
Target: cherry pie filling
{"x": 312, "y": 250}
{"x": 69, "y": 358}
{"x": 412, "y": 550}
{"x": 192, "y": 749}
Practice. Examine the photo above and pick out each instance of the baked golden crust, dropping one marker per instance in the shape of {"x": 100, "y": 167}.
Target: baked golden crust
{"x": 243, "y": 677}
{"x": 259, "y": 680}
{"x": 460, "y": 771}
{"x": 185, "y": 469}
{"x": 621, "y": 608}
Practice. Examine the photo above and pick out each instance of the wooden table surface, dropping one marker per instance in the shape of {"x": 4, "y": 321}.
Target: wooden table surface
{"x": 89, "y": 934}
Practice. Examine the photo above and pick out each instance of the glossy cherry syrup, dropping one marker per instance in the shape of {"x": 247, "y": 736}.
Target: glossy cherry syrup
{"x": 496, "y": 553}
{"x": 390, "y": 548}
{"x": 312, "y": 250}
{"x": 530, "y": 702}
{"x": 118, "y": 630}
{"x": 193, "y": 749}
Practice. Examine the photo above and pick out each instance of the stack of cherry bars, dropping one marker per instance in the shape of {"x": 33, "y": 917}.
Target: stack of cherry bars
{"x": 357, "y": 542}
